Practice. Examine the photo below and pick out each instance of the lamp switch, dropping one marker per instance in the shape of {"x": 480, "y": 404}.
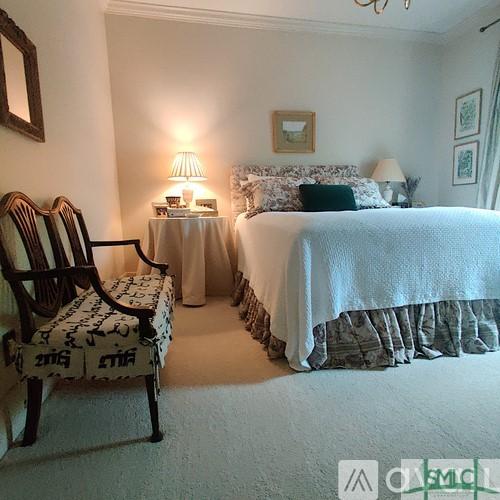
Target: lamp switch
{"x": 9, "y": 347}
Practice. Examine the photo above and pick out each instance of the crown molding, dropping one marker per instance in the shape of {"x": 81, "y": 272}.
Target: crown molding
{"x": 103, "y": 4}
{"x": 483, "y": 16}
{"x": 236, "y": 20}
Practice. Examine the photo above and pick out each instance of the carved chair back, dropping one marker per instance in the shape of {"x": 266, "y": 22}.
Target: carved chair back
{"x": 76, "y": 246}
{"x": 29, "y": 239}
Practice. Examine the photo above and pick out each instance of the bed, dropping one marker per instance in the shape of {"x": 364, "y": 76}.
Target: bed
{"x": 366, "y": 289}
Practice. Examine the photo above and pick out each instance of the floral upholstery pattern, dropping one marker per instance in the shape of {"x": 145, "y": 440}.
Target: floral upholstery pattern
{"x": 240, "y": 173}
{"x": 366, "y": 191}
{"x": 90, "y": 339}
{"x": 384, "y": 337}
{"x": 276, "y": 194}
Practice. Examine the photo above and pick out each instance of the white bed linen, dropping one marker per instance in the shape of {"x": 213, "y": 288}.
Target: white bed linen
{"x": 307, "y": 268}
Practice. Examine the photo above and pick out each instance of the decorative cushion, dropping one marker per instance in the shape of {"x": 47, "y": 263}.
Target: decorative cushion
{"x": 366, "y": 191}
{"x": 253, "y": 178}
{"x": 327, "y": 198}
{"x": 277, "y": 194}
{"x": 90, "y": 338}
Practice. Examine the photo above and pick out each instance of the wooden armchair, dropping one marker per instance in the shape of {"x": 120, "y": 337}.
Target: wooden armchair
{"x": 111, "y": 330}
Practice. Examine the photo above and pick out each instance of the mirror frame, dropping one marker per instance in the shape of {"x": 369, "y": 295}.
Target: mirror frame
{"x": 18, "y": 38}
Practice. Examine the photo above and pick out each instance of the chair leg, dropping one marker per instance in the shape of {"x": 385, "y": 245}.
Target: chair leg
{"x": 153, "y": 409}
{"x": 34, "y": 389}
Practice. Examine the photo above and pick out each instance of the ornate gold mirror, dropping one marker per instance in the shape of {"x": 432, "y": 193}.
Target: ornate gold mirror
{"x": 20, "y": 99}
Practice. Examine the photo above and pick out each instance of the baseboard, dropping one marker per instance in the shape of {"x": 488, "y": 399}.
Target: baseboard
{"x": 13, "y": 414}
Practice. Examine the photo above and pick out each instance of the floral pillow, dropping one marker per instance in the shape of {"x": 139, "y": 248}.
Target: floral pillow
{"x": 276, "y": 194}
{"x": 366, "y": 191}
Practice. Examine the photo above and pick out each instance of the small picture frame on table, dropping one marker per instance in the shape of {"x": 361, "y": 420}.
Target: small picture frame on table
{"x": 160, "y": 209}
{"x": 209, "y": 204}
{"x": 465, "y": 160}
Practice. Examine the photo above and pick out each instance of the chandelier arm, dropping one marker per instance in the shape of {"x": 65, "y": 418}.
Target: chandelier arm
{"x": 378, "y": 7}
{"x": 367, "y": 4}
{"x": 379, "y": 10}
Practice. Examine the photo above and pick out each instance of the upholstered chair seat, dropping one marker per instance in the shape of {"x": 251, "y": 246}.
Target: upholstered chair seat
{"x": 88, "y": 338}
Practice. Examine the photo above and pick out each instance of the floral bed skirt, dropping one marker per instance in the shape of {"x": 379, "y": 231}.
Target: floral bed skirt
{"x": 383, "y": 337}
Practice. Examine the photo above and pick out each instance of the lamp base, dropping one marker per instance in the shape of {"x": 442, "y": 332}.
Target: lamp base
{"x": 187, "y": 196}
{"x": 388, "y": 192}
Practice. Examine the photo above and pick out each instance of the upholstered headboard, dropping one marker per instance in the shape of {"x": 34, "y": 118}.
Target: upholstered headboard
{"x": 240, "y": 173}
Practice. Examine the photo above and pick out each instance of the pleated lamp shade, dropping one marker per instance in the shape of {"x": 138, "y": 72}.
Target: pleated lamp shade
{"x": 187, "y": 167}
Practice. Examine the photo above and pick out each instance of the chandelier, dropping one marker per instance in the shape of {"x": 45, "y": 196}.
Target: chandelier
{"x": 379, "y": 5}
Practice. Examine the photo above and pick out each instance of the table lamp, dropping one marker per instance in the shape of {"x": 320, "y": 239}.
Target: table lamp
{"x": 388, "y": 171}
{"x": 187, "y": 168}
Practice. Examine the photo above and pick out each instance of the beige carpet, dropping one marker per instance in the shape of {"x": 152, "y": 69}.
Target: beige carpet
{"x": 239, "y": 426}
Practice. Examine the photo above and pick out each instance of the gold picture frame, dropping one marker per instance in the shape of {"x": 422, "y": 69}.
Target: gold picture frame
{"x": 294, "y": 131}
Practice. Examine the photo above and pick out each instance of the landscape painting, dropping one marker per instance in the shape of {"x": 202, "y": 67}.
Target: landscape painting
{"x": 294, "y": 131}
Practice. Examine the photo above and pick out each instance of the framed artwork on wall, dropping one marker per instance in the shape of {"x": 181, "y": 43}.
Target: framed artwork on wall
{"x": 294, "y": 131}
{"x": 465, "y": 160}
{"x": 468, "y": 114}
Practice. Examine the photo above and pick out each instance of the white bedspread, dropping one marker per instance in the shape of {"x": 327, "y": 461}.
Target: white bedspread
{"x": 307, "y": 268}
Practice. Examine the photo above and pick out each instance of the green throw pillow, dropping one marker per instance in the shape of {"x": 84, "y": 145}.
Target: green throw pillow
{"x": 327, "y": 198}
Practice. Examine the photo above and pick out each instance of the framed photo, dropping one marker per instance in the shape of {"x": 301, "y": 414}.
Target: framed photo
{"x": 294, "y": 131}
{"x": 207, "y": 207}
{"x": 468, "y": 114}
{"x": 160, "y": 209}
{"x": 465, "y": 159}
{"x": 207, "y": 203}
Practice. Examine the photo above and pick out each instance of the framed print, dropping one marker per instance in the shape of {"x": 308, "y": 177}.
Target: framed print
{"x": 465, "y": 163}
{"x": 207, "y": 203}
{"x": 160, "y": 209}
{"x": 294, "y": 131}
{"x": 468, "y": 114}
{"x": 207, "y": 207}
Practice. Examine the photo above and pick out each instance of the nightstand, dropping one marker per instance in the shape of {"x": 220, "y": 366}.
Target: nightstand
{"x": 200, "y": 253}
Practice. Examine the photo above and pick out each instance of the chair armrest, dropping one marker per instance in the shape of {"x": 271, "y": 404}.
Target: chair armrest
{"x": 143, "y": 313}
{"x": 137, "y": 245}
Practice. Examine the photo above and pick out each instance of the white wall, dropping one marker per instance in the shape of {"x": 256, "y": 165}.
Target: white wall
{"x": 213, "y": 89}
{"x": 467, "y": 63}
{"x": 78, "y": 158}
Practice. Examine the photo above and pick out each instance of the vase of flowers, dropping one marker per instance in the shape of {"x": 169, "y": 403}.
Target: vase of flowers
{"x": 409, "y": 187}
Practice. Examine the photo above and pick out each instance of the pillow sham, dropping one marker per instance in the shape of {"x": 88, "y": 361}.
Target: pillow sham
{"x": 366, "y": 191}
{"x": 253, "y": 178}
{"x": 327, "y": 198}
{"x": 277, "y": 194}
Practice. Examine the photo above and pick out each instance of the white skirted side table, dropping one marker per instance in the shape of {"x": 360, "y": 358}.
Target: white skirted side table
{"x": 200, "y": 253}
